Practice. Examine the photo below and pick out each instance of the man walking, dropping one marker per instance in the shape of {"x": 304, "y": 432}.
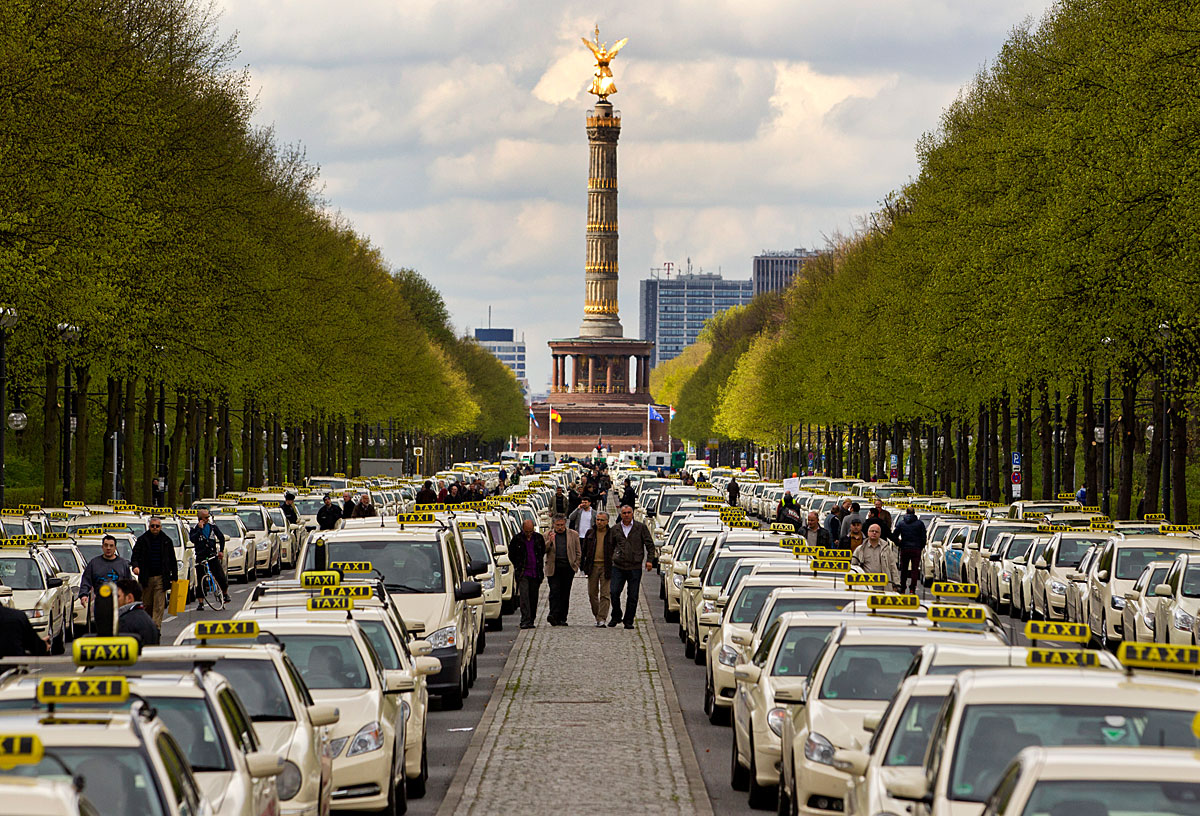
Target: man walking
{"x": 909, "y": 533}
{"x": 854, "y": 514}
{"x": 209, "y": 542}
{"x": 734, "y": 490}
{"x": 584, "y": 518}
{"x": 877, "y": 513}
{"x": 877, "y": 554}
{"x": 527, "y": 551}
{"x": 814, "y": 534}
{"x": 153, "y": 563}
{"x": 131, "y": 614}
{"x": 562, "y": 559}
{"x": 289, "y": 508}
{"x": 105, "y": 568}
{"x": 328, "y": 515}
{"x": 632, "y": 546}
{"x": 595, "y": 560}
{"x": 789, "y": 513}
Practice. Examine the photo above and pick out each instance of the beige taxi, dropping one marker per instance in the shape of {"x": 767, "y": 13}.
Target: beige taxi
{"x": 1137, "y": 618}
{"x": 1177, "y": 599}
{"x": 38, "y": 590}
{"x": 1116, "y": 570}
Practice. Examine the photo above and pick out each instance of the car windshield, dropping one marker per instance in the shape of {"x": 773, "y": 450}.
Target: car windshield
{"x": 1191, "y": 581}
{"x": 688, "y": 548}
{"x": 327, "y": 661}
{"x": 800, "y": 645}
{"x": 410, "y": 565}
{"x": 1018, "y": 546}
{"x": 228, "y": 526}
{"x": 721, "y": 569}
{"x": 172, "y": 531}
{"x": 477, "y": 548}
{"x": 735, "y": 578}
{"x": 277, "y": 517}
{"x": 118, "y": 781}
{"x": 1072, "y": 550}
{"x": 991, "y": 735}
{"x": 670, "y": 502}
{"x": 65, "y": 560}
{"x": 749, "y": 604}
{"x": 1043, "y": 509}
{"x": 308, "y": 506}
{"x": 866, "y": 672}
{"x": 260, "y": 688}
{"x": 90, "y": 548}
{"x": 381, "y": 641}
{"x": 911, "y": 737}
{"x": 802, "y": 604}
{"x": 1132, "y": 560}
{"x": 20, "y": 573}
{"x": 1145, "y": 798}
{"x": 252, "y": 517}
{"x": 993, "y": 531}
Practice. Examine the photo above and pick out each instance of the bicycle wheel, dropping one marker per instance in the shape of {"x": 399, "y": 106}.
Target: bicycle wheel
{"x": 212, "y": 592}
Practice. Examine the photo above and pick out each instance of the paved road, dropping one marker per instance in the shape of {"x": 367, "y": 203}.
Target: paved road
{"x": 449, "y": 732}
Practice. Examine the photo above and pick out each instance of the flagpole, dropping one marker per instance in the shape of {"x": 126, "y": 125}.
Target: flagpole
{"x": 649, "y": 445}
{"x": 550, "y": 422}
{"x": 530, "y": 431}
{"x": 670, "y": 410}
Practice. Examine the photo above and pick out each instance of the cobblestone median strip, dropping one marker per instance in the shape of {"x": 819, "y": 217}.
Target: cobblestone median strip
{"x": 582, "y": 719}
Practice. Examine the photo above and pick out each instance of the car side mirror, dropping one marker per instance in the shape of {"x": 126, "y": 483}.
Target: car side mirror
{"x": 994, "y": 557}
{"x": 478, "y": 567}
{"x": 871, "y": 722}
{"x": 398, "y": 681}
{"x": 710, "y": 593}
{"x": 468, "y": 590}
{"x": 792, "y": 695}
{"x": 323, "y": 714}
{"x": 262, "y": 764}
{"x": 915, "y": 789}
{"x": 420, "y": 648}
{"x": 424, "y": 666}
{"x": 742, "y": 638}
{"x": 974, "y": 545}
{"x": 747, "y": 673}
{"x": 852, "y": 762}
{"x": 54, "y": 582}
{"x": 1020, "y": 561}
{"x": 1163, "y": 591}
{"x": 1102, "y": 576}
{"x": 501, "y": 549}
{"x": 1041, "y": 564}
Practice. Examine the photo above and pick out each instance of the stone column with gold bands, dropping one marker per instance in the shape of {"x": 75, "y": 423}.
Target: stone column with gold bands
{"x": 600, "y": 318}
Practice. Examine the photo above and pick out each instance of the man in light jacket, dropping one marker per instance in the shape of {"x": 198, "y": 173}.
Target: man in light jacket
{"x": 878, "y": 555}
{"x": 562, "y": 560}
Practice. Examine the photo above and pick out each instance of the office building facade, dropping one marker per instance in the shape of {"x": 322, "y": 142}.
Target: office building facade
{"x": 505, "y": 347}
{"x": 674, "y": 308}
{"x": 774, "y": 270}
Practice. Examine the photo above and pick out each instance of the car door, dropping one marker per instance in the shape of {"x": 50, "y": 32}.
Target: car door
{"x": 1164, "y": 607}
{"x": 262, "y": 791}
{"x": 1096, "y": 588}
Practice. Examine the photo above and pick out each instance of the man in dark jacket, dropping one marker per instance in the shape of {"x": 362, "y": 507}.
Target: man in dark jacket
{"x": 595, "y": 560}
{"x": 289, "y": 508}
{"x": 789, "y": 513}
{"x": 328, "y": 515}
{"x": 627, "y": 495}
{"x": 573, "y": 499}
{"x": 17, "y": 637}
{"x": 107, "y": 567}
{"x": 814, "y": 534}
{"x": 153, "y": 562}
{"x": 347, "y": 504}
{"x": 131, "y": 615}
{"x": 365, "y": 507}
{"x": 833, "y": 522}
{"x": 560, "y": 505}
{"x": 632, "y": 546}
{"x": 427, "y": 495}
{"x": 734, "y": 490}
{"x": 909, "y": 535}
{"x": 527, "y": 551}
{"x": 209, "y": 542}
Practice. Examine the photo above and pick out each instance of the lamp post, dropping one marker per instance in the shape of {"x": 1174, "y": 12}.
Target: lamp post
{"x": 1164, "y": 331}
{"x": 8, "y": 319}
{"x": 1106, "y": 464}
{"x": 69, "y": 334}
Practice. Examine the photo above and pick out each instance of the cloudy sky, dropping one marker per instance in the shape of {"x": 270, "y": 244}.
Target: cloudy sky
{"x": 452, "y": 133}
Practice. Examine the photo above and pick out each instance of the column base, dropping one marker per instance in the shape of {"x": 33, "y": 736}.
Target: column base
{"x": 601, "y": 326}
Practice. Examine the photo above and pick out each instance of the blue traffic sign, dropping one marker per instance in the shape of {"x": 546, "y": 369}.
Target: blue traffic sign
{"x": 1016, "y": 459}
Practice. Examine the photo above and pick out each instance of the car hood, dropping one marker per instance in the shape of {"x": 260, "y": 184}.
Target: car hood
{"x": 216, "y": 786}
{"x": 840, "y": 721}
{"x": 358, "y": 707}
{"x": 431, "y": 609}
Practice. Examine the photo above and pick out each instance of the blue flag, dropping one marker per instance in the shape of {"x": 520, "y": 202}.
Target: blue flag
{"x": 655, "y": 416}
{"x": 533, "y": 419}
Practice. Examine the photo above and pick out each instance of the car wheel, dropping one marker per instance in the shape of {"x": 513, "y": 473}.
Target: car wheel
{"x": 762, "y": 797}
{"x": 508, "y": 607}
{"x": 671, "y": 617}
{"x": 662, "y": 590}
{"x": 689, "y": 648}
{"x": 1104, "y": 644}
{"x": 739, "y": 777}
{"x": 453, "y": 700}
{"x": 482, "y": 647}
{"x": 716, "y": 714}
{"x": 397, "y": 797}
{"x": 416, "y": 787}
{"x": 495, "y": 624}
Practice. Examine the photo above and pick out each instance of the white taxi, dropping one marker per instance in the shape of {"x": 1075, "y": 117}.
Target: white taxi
{"x": 1178, "y": 601}
{"x": 38, "y": 590}
{"x": 1117, "y": 568}
{"x": 1062, "y": 556}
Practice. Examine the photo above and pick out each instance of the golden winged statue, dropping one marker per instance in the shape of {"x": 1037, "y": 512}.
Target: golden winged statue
{"x": 602, "y": 81}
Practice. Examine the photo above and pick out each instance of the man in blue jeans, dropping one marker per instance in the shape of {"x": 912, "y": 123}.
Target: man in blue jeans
{"x": 632, "y": 546}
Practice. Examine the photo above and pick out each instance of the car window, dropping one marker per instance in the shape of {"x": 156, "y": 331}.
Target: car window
{"x": 183, "y": 785}
{"x": 911, "y": 737}
{"x": 66, "y": 560}
{"x": 798, "y": 650}
{"x": 238, "y": 721}
{"x": 20, "y": 573}
{"x": 327, "y": 661}
{"x": 1132, "y": 560}
{"x": 252, "y": 517}
{"x": 297, "y": 681}
{"x": 381, "y": 641}
{"x": 259, "y": 687}
{"x": 764, "y": 647}
{"x": 998, "y": 801}
{"x": 1071, "y": 550}
{"x": 866, "y": 672}
{"x": 1152, "y": 798}
{"x": 410, "y": 565}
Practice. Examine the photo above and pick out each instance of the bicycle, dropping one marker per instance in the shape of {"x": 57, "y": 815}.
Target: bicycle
{"x": 207, "y": 588}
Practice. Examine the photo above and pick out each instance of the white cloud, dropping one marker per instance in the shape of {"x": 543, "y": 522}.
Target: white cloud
{"x": 452, "y": 133}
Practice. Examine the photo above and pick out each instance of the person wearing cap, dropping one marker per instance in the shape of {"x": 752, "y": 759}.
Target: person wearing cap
{"x": 289, "y": 508}
{"x": 328, "y": 515}
{"x": 877, "y": 554}
{"x": 854, "y": 538}
{"x": 153, "y": 563}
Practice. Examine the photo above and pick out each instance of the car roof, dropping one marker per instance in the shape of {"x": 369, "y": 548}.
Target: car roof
{"x": 1061, "y": 685}
{"x": 1079, "y": 762}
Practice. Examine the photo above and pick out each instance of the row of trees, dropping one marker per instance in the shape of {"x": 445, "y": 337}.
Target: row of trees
{"x": 1040, "y": 269}
{"x": 201, "y": 266}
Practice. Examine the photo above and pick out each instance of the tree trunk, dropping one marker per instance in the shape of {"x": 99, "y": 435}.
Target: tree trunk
{"x": 192, "y": 453}
{"x": 1026, "y": 419}
{"x": 112, "y": 419}
{"x": 144, "y": 494}
{"x": 994, "y": 480}
{"x": 981, "y": 458}
{"x": 917, "y": 471}
{"x": 1179, "y": 456}
{"x": 1047, "y": 439}
{"x": 948, "y": 472}
{"x": 1070, "y": 479}
{"x": 51, "y": 431}
{"x": 1006, "y": 445}
{"x": 1091, "y": 454}
{"x": 177, "y": 435}
{"x": 1154, "y": 455}
{"x": 247, "y": 451}
{"x": 208, "y": 486}
{"x": 226, "y": 471}
{"x": 83, "y": 379}
{"x": 129, "y": 427}
{"x": 1128, "y": 429}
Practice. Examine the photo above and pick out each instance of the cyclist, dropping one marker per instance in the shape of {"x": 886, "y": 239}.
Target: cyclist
{"x": 210, "y": 549}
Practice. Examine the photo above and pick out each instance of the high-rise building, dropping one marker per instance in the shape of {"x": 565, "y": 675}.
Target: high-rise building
{"x": 675, "y": 308}
{"x": 505, "y": 347}
{"x": 774, "y": 270}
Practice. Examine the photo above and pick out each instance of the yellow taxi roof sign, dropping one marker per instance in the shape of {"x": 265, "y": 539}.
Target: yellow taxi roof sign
{"x": 1066, "y": 497}
{"x": 323, "y": 603}
{"x": 105, "y": 651}
{"x": 357, "y": 567}
{"x": 839, "y": 554}
{"x": 1177, "y": 528}
{"x": 744, "y": 524}
{"x": 952, "y": 589}
{"x": 1065, "y": 658}
{"x": 82, "y": 689}
{"x": 1159, "y": 656}
{"x": 417, "y": 518}
{"x": 30, "y": 508}
{"x": 782, "y": 527}
{"x": 1156, "y": 517}
{"x": 807, "y": 549}
{"x": 19, "y": 749}
{"x": 873, "y": 579}
{"x": 468, "y": 525}
{"x": 89, "y": 531}
{"x": 879, "y": 601}
{"x": 427, "y": 508}
{"x": 314, "y": 579}
{"x": 956, "y": 613}
{"x": 1062, "y": 631}
{"x": 217, "y": 630}
{"x": 73, "y": 503}
{"x": 1048, "y": 528}
{"x": 829, "y": 565}
{"x": 361, "y": 591}
{"x": 9, "y": 511}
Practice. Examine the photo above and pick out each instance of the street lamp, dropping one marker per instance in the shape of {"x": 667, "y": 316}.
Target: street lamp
{"x": 8, "y": 319}
{"x": 1103, "y": 437}
{"x": 69, "y": 334}
{"x": 1164, "y": 331}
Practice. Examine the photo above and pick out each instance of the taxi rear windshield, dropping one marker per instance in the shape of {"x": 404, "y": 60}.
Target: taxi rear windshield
{"x": 800, "y": 646}
{"x": 1051, "y": 797}
{"x": 804, "y": 605}
{"x": 118, "y": 781}
{"x": 1071, "y": 550}
{"x": 407, "y": 566}
{"x": 327, "y": 661}
{"x": 89, "y": 550}
{"x": 991, "y": 735}
{"x": 20, "y": 573}
{"x": 911, "y": 737}
{"x": 866, "y": 672}
{"x": 1132, "y": 560}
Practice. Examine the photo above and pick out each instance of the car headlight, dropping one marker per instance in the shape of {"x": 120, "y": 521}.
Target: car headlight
{"x": 444, "y": 638}
{"x": 368, "y": 738}
{"x": 1148, "y": 619}
{"x": 677, "y": 580}
{"x": 1005, "y": 575}
{"x": 335, "y": 746}
{"x": 178, "y": 566}
{"x": 287, "y": 783}
{"x": 1058, "y": 587}
{"x": 708, "y": 607}
{"x": 237, "y": 552}
{"x": 775, "y": 718}
{"x": 490, "y": 583}
{"x": 1118, "y": 603}
{"x": 727, "y": 656}
{"x": 818, "y": 749}
{"x": 1182, "y": 620}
